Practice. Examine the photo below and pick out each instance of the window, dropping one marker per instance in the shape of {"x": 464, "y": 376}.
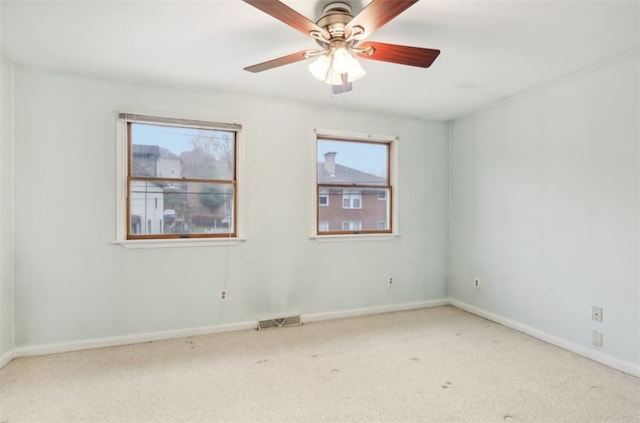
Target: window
{"x": 351, "y": 199}
{"x": 351, "y": 225}
{"x": 180, "y": 178}
{"x": 323, "y": 198}
{"x": 353, "y": 186}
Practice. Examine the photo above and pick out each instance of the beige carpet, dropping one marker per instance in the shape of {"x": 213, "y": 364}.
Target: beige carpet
{"x": 428, "y": 365}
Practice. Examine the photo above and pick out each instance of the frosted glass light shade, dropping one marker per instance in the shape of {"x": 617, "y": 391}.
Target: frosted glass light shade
{"x": 355, "y": 71}
{"x": 341, "y": 60}
{"x": 333, "y": 77}
{"x": 320, "y": 67}
{"x": 330, "y": 67}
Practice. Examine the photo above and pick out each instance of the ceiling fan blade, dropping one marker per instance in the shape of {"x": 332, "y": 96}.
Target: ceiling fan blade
{"x": 285, "y": 14}
{"x": 404, "y": 55}
{"x": 376, "y": 14}
{"x": 280, "y": 61}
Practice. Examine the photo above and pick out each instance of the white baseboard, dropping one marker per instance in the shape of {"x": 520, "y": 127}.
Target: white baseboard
{"x": 331, "y": 315}
{"x": 605, "y": 359}
{"x": 182, "y": 333}
{"x": 7, "y": 357}
{"x": 127, "y": 340}
{"x": 597, "y": 356}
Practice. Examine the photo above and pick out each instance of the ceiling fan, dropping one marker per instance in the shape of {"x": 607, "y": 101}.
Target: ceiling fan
{"x": 339, "y": 35}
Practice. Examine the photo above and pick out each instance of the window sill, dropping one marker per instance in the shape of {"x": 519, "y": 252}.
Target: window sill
{"x": 179, "y": 243}
{"x": 353, "y": 237}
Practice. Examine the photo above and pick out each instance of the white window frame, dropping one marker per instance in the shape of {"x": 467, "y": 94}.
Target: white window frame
{"x": 122, "y": 160}
{"x": 394, "y": 151}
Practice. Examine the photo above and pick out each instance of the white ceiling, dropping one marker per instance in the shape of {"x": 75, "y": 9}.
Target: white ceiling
{"x": 491, "y": 50}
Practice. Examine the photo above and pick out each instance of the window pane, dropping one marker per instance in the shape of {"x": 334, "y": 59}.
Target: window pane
{"x": 177, "y": 152}
{"x": 354, "y": 163}
{"x": 352, "y": 226}
{"x": 323, "y": 198}
{"x": 341, "y": 211}
{"x": 356, "y": 174}
{"x": 157, "y": 207}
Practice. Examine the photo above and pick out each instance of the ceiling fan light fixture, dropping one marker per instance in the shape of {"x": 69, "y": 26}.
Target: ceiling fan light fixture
{"x": 330, "y": 67}
{"x": 336, "y": 78}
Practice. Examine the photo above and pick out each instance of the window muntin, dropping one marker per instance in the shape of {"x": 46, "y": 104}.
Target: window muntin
{"x": 190, "y": 172}
{"x": 354, "y": 177}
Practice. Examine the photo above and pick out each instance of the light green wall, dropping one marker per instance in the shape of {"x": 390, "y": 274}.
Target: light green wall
{"x": 73, "y": 284}
{"x": 545, "y": 209}
{"x": 6, "y": 209}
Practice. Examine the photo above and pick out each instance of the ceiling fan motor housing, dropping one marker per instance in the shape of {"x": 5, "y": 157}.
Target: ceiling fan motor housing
{"x": 334, "y": 19}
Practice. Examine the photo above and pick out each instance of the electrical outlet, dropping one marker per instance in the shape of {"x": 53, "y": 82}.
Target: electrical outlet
{"x": 223, "y": 295}
{"x": 596, "y": 338}
{"x": 596, "y": 313}
{"x": 476, "y": 283}
{"x": 390, "y": 281}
